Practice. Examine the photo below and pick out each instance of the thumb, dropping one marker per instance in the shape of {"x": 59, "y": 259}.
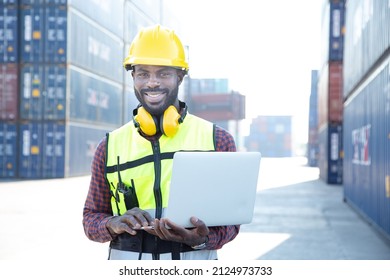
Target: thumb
{"x": 201, "y": 228}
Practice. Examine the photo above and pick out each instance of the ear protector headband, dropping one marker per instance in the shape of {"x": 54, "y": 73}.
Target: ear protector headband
{"x": 168, "y": 123}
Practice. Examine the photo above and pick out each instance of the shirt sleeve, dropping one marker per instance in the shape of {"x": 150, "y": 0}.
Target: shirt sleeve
{"x": 219, "y": 236}
{"x": 97, "y": 208}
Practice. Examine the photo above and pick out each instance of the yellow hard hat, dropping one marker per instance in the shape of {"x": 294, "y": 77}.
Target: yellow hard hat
{"x": 156, "y": 45}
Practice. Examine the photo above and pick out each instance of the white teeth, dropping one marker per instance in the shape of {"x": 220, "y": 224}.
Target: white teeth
{"x": 153, "y": 94}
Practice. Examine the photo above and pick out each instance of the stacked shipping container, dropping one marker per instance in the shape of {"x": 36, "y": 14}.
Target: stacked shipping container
{"x": 330, "y": 102}
{"x": 62, "y": 85}
{"x": 270, "y": 135}
{"x": 367, "y": 111}
{"x": 9, "y": 45}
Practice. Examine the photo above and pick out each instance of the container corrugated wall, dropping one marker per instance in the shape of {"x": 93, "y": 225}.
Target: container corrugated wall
{"x": 367, "y": 39}
{"x": 367, "y": 148}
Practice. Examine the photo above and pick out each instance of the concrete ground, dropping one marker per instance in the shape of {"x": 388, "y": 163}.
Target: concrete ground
{"x": 296, "y": 217}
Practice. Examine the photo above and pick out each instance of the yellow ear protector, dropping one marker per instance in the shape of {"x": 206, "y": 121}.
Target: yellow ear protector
{"x": 168, "y": 124}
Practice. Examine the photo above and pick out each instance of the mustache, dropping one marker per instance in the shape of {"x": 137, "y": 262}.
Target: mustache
{"x": 162, "y": 90}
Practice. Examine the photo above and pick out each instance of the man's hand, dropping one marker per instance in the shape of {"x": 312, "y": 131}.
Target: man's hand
{"x": 168, "y": 230}
{"x": 129, "y": 222}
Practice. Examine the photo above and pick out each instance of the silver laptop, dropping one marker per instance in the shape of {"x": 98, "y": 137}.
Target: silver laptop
{"x": 216, "y": 187}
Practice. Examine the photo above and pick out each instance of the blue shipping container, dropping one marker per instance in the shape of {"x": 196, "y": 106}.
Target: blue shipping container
{"x": 83, "y": 141}
{"x": 42, "y": 2}
{"x": 44, "y": 34}
{"x": 8, "y": 150}
{"x": 103, "y": 13}
{"x": 129, "y": 104}
{"x": 9, "y": 2}
{"x": 9, "y": 34}
{"x": 42, "y": 92}
{"x": 53, "y": 150}
{"x": 32, "y": 34}
{"x": 367, "y": 148}
{"x": 93, "y": 99}
{"x": 93, "y": 49}
{"x": 367, "y": 39}
{"x": 42, "y": 150}
{"x": 330, "y": 161}
{"x": 55, "y": 34}
{"x": 134, "y": 20}
{"x": 30, "y": 150}
{"x": 333, "y": 24}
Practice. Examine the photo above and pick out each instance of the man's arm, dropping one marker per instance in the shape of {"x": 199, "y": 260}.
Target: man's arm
{"x": 97, "y": 208}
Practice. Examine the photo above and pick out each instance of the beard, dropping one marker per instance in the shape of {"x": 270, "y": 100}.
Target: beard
{"x": 171, "y": 98}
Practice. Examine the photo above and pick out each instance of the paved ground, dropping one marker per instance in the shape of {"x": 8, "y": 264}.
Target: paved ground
{"x": 297, "y": 217}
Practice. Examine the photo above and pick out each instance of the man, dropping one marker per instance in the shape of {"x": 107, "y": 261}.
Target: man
{"x": 132, "y": 165}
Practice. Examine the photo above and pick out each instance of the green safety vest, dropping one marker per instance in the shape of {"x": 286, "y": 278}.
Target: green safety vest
{"x": 144, "y": 167}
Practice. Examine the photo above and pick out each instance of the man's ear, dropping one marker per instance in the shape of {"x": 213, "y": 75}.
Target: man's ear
{"x": 180, "y": 77}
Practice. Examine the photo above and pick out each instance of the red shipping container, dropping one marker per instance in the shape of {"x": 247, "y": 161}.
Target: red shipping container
{"x": 219, "y": 107}
{"x": 330, "y": 94}
{"x": 8, "y": 91}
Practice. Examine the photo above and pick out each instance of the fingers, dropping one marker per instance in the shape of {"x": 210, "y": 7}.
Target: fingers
{"x": 130, "y": 222}
{"x": 201, "y": 227}
{"x": 138, "y": 217}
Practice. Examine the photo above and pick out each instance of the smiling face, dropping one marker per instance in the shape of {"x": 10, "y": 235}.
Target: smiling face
{"x": 157, "y": 87}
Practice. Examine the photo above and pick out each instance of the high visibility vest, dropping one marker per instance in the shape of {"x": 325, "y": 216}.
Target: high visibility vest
{"x": 138, "y": 171}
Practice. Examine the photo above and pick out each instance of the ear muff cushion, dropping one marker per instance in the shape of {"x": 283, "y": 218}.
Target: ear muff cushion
{"x": 169, "y": 124}
{"x": 147, "y": 123}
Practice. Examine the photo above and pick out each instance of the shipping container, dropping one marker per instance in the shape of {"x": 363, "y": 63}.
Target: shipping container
{"x": 9, "y": 43}
{"x": 367, "y": 39}
{"x": 8, "y": 150}
{"x": 43, "y": 2}
{"x": 330, "y": 157}
{"x": 134, "y": 21}
{"x": 50, "y": 149}
{"x": 9, "y": 91}
{"x": 330, "y": 95}
{"x": 55, "y": 34}
{"x": 270, "y": 135}
{"x": 333, "y": 28}
{"x": 53, "y": 150}
{"x": 43, "y": 34}
{"x": 151, "y": 8}
{"x": 82, "y": 142}
{"x": 32, "y": 34}
{"x": 9, "y": 2}
{"x": 93, "y": 99}
{"x": 107, "y": 13}
{"x": 367, "y": 148}
{"x": 207, "y": 86}
{"x": 130, "y": 103}
{"x": 42, "y": 92}
{"x": 218, "y": 107}
{"x": 30, "y": 150}
{"x": 93, "y": 48}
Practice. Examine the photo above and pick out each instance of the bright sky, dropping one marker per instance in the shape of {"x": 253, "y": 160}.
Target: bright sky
{"x": 266, "y": 49}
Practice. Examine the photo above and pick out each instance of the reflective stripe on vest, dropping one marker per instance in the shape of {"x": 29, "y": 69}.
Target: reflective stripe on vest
{"x": 145, "y": 167}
